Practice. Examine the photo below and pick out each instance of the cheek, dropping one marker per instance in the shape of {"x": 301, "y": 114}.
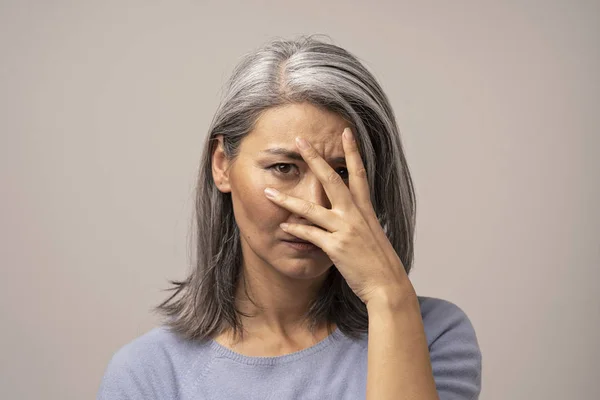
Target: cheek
{"x": 255, "y": 207}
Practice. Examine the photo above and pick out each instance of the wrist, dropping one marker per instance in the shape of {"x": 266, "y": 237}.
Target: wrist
{"x": 393, "y": 298}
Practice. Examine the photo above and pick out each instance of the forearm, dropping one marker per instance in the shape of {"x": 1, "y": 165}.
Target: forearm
{"x": 399, "y": 367}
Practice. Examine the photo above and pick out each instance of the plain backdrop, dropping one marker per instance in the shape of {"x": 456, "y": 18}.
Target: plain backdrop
{"x": 105, "y": 105}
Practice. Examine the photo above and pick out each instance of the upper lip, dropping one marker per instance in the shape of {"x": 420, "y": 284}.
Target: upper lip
{"x": 295, "y": 240}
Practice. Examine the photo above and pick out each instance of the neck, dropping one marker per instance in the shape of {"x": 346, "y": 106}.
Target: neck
{"x": 273, "y": 306}
{"x": 276, "y": 305}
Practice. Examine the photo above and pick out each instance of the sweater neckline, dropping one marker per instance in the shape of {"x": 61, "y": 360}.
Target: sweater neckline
{"x": 221, "y": 351}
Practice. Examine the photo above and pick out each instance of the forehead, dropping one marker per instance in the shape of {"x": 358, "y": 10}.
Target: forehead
{"x": 280, "y": 126}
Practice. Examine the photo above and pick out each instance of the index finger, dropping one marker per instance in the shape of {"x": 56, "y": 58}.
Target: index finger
{"x": 334, "y": 185}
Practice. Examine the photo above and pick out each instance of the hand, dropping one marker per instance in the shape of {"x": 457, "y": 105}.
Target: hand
{"x": 349, "y": 232}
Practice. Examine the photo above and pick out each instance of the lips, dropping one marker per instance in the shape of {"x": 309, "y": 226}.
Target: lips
{"x": 296, "y": 241}
{"x": 302, "y": 246}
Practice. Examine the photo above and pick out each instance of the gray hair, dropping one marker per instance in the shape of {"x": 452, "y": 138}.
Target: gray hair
{"x": 283, "y": 72}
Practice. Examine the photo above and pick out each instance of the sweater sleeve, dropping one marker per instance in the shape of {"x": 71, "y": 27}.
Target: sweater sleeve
{"x": 138, "y": 371}
{"x": 454, "y": 350}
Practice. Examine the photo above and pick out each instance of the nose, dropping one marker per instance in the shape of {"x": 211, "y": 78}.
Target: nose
{"x": 312, "y": 190}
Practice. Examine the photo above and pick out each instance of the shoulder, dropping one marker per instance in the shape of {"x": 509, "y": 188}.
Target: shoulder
{"x": 149, "y": 367}
{"x": 441, "y": 316}
{"x": 453, "y": 347}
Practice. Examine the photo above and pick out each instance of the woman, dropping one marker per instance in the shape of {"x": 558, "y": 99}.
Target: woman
{"x": 305, "y": 216}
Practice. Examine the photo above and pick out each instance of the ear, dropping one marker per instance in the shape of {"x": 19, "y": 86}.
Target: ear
{"x": 220, "y": 166}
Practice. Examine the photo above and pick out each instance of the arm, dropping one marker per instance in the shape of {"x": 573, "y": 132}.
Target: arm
{"x": 398, "y": 351}
{"x": 398, "y": 356}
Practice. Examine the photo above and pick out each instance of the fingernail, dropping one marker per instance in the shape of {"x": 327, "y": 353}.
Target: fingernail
{"x": 303, "y": 144}
{"x": 271, "y": 193}
{"x": 348, "y": 134}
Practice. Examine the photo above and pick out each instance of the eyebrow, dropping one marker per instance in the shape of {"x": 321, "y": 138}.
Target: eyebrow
{"x": 280, "y": 151}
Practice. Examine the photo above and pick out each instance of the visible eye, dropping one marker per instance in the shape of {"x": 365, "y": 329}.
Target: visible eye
{"x": 284, "y": 169}
{"x": 345, "y": 174}
{"x": 281, "y": 168}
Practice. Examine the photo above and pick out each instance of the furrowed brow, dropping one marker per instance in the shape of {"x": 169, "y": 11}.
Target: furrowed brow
{"x": 280, "y": 151}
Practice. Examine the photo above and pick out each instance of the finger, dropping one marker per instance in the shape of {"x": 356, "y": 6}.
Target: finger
{"x": 312, "y": 234}
{"x": 315, "y": 213}
{"x": 334, "y": 185}
{"x": 359, "y": 185}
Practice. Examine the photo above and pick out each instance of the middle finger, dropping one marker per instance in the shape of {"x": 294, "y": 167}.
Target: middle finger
{"x": 334, "y": 185}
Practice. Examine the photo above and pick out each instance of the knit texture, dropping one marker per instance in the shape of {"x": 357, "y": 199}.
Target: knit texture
{"x": 162, "y": 365}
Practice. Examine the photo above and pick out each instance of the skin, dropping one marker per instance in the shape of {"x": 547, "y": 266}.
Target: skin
{"x": 343, "y": 224}
{"x": 282, "y": 280}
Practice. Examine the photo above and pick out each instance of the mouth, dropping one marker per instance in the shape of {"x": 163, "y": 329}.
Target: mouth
{"x": 302, "y": 245}
{"x": 296, "y": 241}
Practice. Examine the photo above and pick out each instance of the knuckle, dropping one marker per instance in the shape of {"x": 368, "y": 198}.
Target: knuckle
{"x": 312, "y": 154}
{"x": 307, "y": 208}
{"x": 345, "y": 237}
{"x": 370, "y": 213}
{"x": 361, "y": 172}
{"x": 338, "y": 246}
{"x": 334, "y": 178}
{"x": 353, "y": 148}
{"x": 367, "y": 208}
{"x": 353, "y": 231}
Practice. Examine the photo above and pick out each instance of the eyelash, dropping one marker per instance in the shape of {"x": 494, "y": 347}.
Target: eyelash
{"x": 276, "y": 170}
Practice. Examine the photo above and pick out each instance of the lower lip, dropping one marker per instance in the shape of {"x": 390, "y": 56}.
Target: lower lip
{"x": 302, "y": 246}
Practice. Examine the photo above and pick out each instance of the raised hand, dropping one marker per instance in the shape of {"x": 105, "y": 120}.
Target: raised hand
{"x": 349, "y": 232}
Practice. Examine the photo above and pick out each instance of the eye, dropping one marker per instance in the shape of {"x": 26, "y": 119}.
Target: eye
{"x": 344, "y": 175}
{"x": 282, "y": 168}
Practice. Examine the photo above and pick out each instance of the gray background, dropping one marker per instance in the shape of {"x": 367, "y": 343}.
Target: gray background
{"x": 104, "y": 107}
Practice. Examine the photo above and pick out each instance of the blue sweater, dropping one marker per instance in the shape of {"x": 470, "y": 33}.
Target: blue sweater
{"x": 161, "y": 365}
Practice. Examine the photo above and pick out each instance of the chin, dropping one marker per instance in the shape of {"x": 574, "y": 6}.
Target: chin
{"x": 304, "y": 269}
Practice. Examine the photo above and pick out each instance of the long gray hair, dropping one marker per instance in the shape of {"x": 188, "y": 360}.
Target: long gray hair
{"x": 282, "y": 72}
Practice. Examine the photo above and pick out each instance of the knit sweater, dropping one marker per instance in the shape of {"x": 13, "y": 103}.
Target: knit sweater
{"x": 160, "y": 365}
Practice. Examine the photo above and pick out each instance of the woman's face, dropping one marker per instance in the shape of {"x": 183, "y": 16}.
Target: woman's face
{"x": 261, "y": 164}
